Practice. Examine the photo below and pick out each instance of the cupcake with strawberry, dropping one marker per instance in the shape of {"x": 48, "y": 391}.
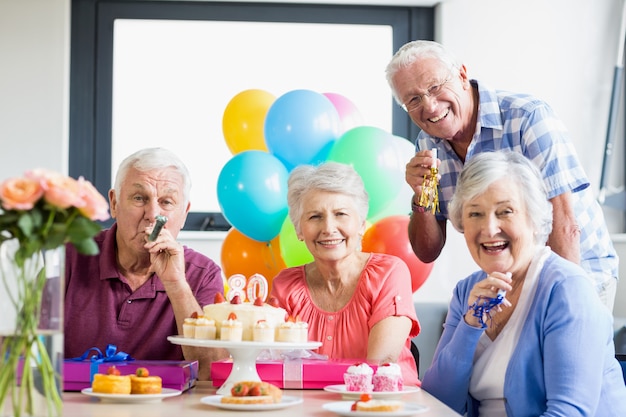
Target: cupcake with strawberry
{"x": 358, "y": 378}
{"x": 231, "y": 329}
{"x": 388, "y": 377}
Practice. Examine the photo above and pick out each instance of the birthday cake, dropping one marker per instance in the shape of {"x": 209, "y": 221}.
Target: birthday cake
{"x": 248, "y": 314}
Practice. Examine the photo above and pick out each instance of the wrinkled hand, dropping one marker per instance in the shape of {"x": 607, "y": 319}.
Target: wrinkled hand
{"x": 417, "y": 168}
{"x": 488, "y": 288}
{"x": 167, "y": 256}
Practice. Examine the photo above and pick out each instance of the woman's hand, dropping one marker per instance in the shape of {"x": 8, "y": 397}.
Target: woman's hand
{"x": 486, "y": 289}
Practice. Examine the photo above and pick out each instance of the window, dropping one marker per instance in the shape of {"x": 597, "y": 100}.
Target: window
{"x": 159, "y": 73}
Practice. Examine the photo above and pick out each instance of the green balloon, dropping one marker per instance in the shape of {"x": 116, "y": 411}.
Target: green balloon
{"x": 293, "y": 251}
{"x": 373, "y": 153}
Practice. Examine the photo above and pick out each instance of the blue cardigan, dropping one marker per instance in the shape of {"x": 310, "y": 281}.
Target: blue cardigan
{"x": 563, "y": 365}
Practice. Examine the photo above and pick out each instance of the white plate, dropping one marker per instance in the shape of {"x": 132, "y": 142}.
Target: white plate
{"x": 133, "y": 398}
{"x": 343, "y": 409}
{"x": 187, "y": 341}
{"x": 379, "y": 395}
{"x": 216, "y": 401}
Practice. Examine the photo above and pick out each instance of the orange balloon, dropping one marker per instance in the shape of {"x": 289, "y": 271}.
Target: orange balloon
{"x": 389, "y": 235}
{"x": 243, "y": 255}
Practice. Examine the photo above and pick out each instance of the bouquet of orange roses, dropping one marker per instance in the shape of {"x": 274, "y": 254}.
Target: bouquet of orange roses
{"x": 39, "y": 212}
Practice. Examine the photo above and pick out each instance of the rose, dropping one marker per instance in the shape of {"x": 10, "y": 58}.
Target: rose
{"x": 59, "y": 190}
{"x": 20, "y": 193}
{"x": 95, "y": 206}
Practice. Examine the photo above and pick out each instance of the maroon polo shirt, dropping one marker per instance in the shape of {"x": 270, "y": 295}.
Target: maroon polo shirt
{"x": 101, "y": 309}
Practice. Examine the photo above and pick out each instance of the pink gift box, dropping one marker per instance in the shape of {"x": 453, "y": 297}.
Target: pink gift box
{"x": 180, "y": 375}
{"x": 291, "y": 374}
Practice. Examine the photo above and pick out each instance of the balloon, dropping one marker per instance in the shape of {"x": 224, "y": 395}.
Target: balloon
{"x": 293, "y": 251}
{"x": 373, "y": 154}
{"x": 244, "y": 119}
{"x": 401, "y": 203}
{"x": 389, "y": 235}
{"x": 242, "y": 255}
{"x": 301, "y": 127}
{"x": 252, "y": 193}
{"x": 349, "y": 114}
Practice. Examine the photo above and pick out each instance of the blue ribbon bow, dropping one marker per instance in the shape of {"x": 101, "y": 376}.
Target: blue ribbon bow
{"x": 111, "y": 355}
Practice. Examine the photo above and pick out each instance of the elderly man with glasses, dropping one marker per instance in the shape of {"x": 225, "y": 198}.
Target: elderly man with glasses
{"x": 462, "y": 117}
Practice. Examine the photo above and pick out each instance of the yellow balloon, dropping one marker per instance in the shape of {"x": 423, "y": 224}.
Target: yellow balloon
{"x": 243, "y": 120}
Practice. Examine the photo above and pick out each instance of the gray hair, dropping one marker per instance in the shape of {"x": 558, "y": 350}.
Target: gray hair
{"x": 330, "y": 176}
{"x": 414, "y": 51}
{"x": 486, "y": 168}
{"x": 149, "y": 159}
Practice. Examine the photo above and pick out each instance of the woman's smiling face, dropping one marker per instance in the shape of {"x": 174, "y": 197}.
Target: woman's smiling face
{"x": 330, "y": 225}
{"x": 497, "y": 229}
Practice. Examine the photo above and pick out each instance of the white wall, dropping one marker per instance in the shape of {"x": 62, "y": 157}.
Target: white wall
{"x": 559, "y": 50}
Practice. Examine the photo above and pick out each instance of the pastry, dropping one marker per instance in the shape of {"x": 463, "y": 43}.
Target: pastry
{"x": 379, "y": 405}
{"x": 262, "y": 332}
{"x": 358, "y": 378}
{"x": 253, "y": 392}
{"x": 205, "y": 328}
{"x": 388, "y": 377}
{"x": 111, "y": 382}
{"x": 247, "y": 313}
{"x": 143, "y": 383}
{"x": 231, "y": 329}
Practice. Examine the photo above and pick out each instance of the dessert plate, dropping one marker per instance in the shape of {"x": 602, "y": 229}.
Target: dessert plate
{"x": 343, "y": 408}
{"x": 133, "y": 398}
{"x": 378, "y": 395}
{"x": 216, "y": 401}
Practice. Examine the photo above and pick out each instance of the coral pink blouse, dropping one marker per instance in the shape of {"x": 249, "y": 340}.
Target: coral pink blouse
{"x": 383, "y": 290}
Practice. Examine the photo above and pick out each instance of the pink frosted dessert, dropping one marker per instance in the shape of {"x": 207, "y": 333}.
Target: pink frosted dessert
{"x": 388, "y": 377}
{"x": 358, "y": 377}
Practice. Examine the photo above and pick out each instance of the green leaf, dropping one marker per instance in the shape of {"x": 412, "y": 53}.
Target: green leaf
{"x": 86, "y": 246}
{"x": 82, "y": 228}
{"x": 26, "y": 224}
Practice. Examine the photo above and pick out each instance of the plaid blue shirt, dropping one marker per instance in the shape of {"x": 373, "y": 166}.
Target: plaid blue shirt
{"x": 529, "y": 126}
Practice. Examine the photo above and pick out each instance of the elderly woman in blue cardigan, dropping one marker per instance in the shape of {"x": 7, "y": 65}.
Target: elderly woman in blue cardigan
{"x": 545, "y": 346}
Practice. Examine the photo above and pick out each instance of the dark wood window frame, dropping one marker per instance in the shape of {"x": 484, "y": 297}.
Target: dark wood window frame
{"x": 92, "y": 65}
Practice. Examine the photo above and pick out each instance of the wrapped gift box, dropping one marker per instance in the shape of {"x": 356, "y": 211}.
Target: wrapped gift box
{"x": 291, "y": 373}
{"x": 180, "y": 375}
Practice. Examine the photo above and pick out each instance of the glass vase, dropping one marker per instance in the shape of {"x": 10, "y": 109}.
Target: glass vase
{"x": 31, "y": 332}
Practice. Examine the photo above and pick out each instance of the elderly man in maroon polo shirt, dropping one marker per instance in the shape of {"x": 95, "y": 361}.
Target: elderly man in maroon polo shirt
{"x": 137, "y": 292}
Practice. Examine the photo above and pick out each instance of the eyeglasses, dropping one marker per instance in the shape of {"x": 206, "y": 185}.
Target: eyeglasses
{"x": 418, "y": 100}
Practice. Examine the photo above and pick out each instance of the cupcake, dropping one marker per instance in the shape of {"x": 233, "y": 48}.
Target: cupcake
{"x": 388, "y": 377}
{"x": 231, "y": 329}
{"x": 293, "y": 331}
{"x": 262, "y": 332}
{"x": 286, "y": 332}
{"x": 358, "y": 377}
{"x": 302, "y": 328}
{"x": 205, "y": 328}
{"x": 189, "y": 327}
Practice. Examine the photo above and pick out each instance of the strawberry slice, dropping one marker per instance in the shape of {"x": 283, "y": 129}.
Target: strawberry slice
{"x": 232, "y": 316}
{"x": 236, "y": 299}
{"x": 365, "y": 397}
{"x": 258, "y": 302}
{"x": 112, "y": 370}
{"x": 219, "y": 298}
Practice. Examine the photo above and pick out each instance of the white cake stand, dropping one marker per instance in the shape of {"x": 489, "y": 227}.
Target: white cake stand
{"x": 244, "y": 356}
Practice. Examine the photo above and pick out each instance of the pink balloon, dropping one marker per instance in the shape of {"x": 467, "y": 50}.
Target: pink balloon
{"x": 349, "y": 114}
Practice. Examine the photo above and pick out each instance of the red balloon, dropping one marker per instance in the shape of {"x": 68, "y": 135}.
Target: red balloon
{"x": 389, "y": 235}
{"x": 242, "y": 255}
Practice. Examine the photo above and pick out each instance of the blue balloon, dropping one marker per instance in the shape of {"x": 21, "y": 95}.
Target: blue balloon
{"x": 252, "y": 193}
{"x": 301, "y": 127}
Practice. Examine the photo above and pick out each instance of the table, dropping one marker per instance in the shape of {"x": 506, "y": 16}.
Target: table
{"x": 188, "y": 404}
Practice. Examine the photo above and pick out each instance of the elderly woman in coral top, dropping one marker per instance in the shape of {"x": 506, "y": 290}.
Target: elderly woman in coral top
{"x": 357, "y": 304}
